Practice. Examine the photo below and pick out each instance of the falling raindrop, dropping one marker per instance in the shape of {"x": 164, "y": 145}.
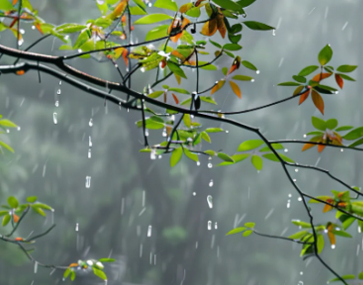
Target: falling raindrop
{"x": 77, "y": 227}
{"x": 60, "y": 82}
{"x": 210, "y": 201}
{"x": 55, "y": 119}
{"x": 211, "y": 183}
{"x": 290, "y": 195}
{"x": 209, "y": 225}
{"x": 286, "y": 150}
{"x": 90, "y": 123}
{"x": 88, "y": 181}
{"x": 288, "y": 204}
{"x": 301, "y": 273}
{"x": 59, "y": 91}
{"x": 89, "y": 153}
{"x": 252, "y": 80}
{"x": 56, "y": 103}
{"x": 227, "y": 131}
{"x": 89, "y": 141}
{"x": 296, "y": 170}
{"x": 210, "y": 165}
{"x": 149, "y": 231}
{"x": 216, "y": 226}
{"x": 194, "y": 194}
{"x": 18, "y": 128}
{"x": 20, "y": 42}
{"x": 153, "y": 154}
{"x": 35, "y": 267}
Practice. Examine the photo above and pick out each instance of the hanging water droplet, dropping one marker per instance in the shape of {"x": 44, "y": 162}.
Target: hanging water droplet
{"x": 227, "y": 131}
{"x": 299, "y": 199}
{"x": 89, "y": 141}
{"x": 8, "y": 131}
{"x": 164, "y": 133}
{"x": 333, "y": 246}
{"x": 89, "y": 153}
{"x": 18, "y": 128}
{"x": 88, "y": 181}
{"x": 341, "y": 150}
{"x": 149, "y": 231}
{"x": 90, "y": 123}
{"x": 33, "y": 27}
{"x": 257, "y": 71}
{"x": 286, "y": 150}
{"x": 210, "y": 165}
{"x": 153, "y": 154}
{"x": 77, "y": 227}
{"x": 288, "y": 204}
{"x": 198, "y": 163}
{"x": 290, "y": 195}
{"x": 20, "y": 42}
{"x": 296, "y": 170}
{"x": 304, "y": 135}
{"x": 142, "y": 69}
{"x": 274, "y": 32}
{"x": 160, "y": 156}
{"x": 294, "y": 180}
{"x": 215, "y": 225}
{"x": 209, "y": 225}
{"x": 146, "y": 132}
{"x": 56, "y": 103}
{"x": 60, "y": 82}
{"x": 301, "y": 273}
{"x": 210, "y": 201}
{"x": 252, "y": 80}
{"x": 194, "y": 194}
{"x": 55, "y": 120}
{"x": 59, "y": 91}
{"x": 211, "y": 183}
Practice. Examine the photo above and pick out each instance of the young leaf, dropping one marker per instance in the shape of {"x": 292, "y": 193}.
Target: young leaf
{"x": 318, "y": 101}
{"x": 225, "y": 157}
{"x": 236, "y": 89}
{"x": 156, "y": 94}
{"x": 153, "y": 18}
{"x": 247, "y": 233}
{"x": 308, "y": 70}
{"x": 166, "y": 4}
{"x": 176, "y": 156}
{"x": 304, "y": 96}
{"x": 245, "y": 3}
{"x": 236, "y": 231}
{"x": 346, "y": 68}
{"x": 354, "y": 134}
{"x": 325, "y": 55}
{"x": 289, "y": 83}
{"x": 191, "y": 155}
{"x": 257, "y": 26}
{"x": 13, "y": 202}
{"x": 242, "y": 77}
{"x": 331, "y": 124}
{"x": 176, "y": 69}
{"x": 157, "y": 32}
{"x": 229, "y": 5}
{"x": 318, "y": 123}
{"x": 206, "y": 137}
{"x": 249, "y": 65}
{"x": 99, "y": 273}
{"x": 257, "y": 162}
{"x": 249, "y": 145}
{"x": 218, "y": 86}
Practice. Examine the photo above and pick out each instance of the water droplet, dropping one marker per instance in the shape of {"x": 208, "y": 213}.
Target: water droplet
{"x": 211, "y": 183}
{"x": 55, "y": 119}
{"x": 33, "y": 27}
{"x": 59, "y": 91}
{"x": 288, "y": 204}
{"x": 210, "y": 201}
{"x": 18, "y": 128}
{"x": 164, "y": 133}
{"x": 296, "y": 170}
{"x": 198, "y": 163}
{"x": 8, "y": 131}
{"x": 210, "y": 165}
{"x": 300, "y": 283}
{"x": 142, "y": 69}
{"x": 56, "y": 103}
{"x": 290, "y": 195}
{"x": 60, "y": 82}
{"x": 77, "y": 227}
{"x": 274, "y": 32}
{"x": 294, "y": 180}
{"x": 299, "y": 199}
{"x": 146, "y": 132}
{"x": 149, "y": 231}
{"x": 89, "y": 141}
{"x": 301, "y": 273}
{"x": 333, "y": 246}
{"x": 100, "y": 2}
{"x": 341, "y": 150}
{"x": 194, "y": 194}
{"x": 209, "y": 225}
{"x": 160, "y": 156}
{"x": 257, "y": 71}
{"x": 35, "y": 267}
{"x": 227, "y": 131}
{"x": 88, "y": 181}
{"x": 216, "y": 226}
{"x": 89, "y": 153}
{"x": 20, "y": 42}
{"x": 252, "y": 80}
{"x": 153, "y": 154}
{"x": 90, "y": 123}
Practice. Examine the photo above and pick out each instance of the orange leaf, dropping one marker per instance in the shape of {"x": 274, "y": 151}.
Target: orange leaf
{"x": 327, "y": 208}
{"x": 321, "y": 76}
{"x": 73, "y": 265}
{"x": 20, "y": 72}
{"x": 339, "y": 80}
{"x": 331, "y": 238}
{"x": 318, "y": 101}
{"x": 218, "y": 86}
{"x": 117, "y": 12}
{"x": 39, "y": 27}
{"x": 320, "y": 147}
{"x": 235, "y": 65}
{"x": 175, "y": 98}
{"x": 124, "y": 56}
{"x": 304, "y": 96}
{"x": 221, "y": 25}
{"x": 209, "y": 28}
{"x": 14, "y": 2}
{"x": 18, "y": 239}
{"x": 15, "y": 218}
{"x": 235, "y": 89}
{"x": 307, "y": 146}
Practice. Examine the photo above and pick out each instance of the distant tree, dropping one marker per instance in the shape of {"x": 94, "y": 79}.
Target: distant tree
{"x": 179, "y": 110}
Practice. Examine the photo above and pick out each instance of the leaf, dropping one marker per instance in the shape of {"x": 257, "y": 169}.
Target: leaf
{"x": 298, "y": 90}
{"x": 179, "y": 90}
{"x": 341, "y": 233}
{"x": 249, "y": 145}
{"x": 318, "y": 123}
{"x": 325, "y": 55}
{"x": 157, "y": 32}
{"x": 31, "y": 199}
{"x": 289, "y": 83}
{"x": 356, "y": 143}
{"x": 225, "y": 157}
{"x": 331, "y": 124}
{"x": 339, "y": 80}
{"x": 354, "y": 134}
{"x": 273, "y": 157}
{"x": 107, "y": 260}
{"x": 308, "y": 70}
{"x": 301, "y": 224}
{"x": 8, "y": 147}
{"x": 321, "y": 76}
{"x": 257, "y": 162}
{"x": 229, "y": 5}
{"x": 214, "y": 130}
{"x": 37, "y": 210}
{"x": 245, "y": 3}
{"x": 242, "y": 77}
{"x": 344, "y": 128}
{"x": 176, "y": 69}
{"x": 140, "y": 4}
{"x": 156, "y": 94}
{"x": 7, "y": 123}
{"x": 346, "y": 68}
{"x": 191, "y": 155}
{"x": 6, "y": 220}
{"x": 320, "y": 242}
{"x": 6, "y": 6}
{"x": 187, "y": 120}
{"x": 249, "y": 65}
{"x": 166, "y": 4}
{"x": 175, "y": 98}
{"x": 13, "y": 202}
{"x": 153, "y": 18}
{"x": 176, "y": 156}
{"x": 99, "y": 273}
{"x": 209, "y": 28}
{"x": 206, "y": 137}
{"x": 257, "y": 26}
{"x": 210, "y": 152}
{"x": 218, "y": 86}
{"x": 299, "y": 78}
{"x": 247, "y": 233}
{"x": 318, "y": 101}
{"x": 236, "y": 231}
{"x": 70, "y": 28}
{"x": 298, "y": 235}
{"x": 235, "y": 89}
{"x": 233, "y": 47}
{"x": 345, "y": 277}
{"x": 250, "y": 224}
{"x": 304, "y": 96}
{"x": 327, "y": 208}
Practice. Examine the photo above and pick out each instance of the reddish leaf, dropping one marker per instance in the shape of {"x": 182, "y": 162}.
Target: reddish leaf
{"x": 220, "y": 25}
{"x": 321, "y": 147}
{"x": 307, "y": 146}
{"x": 235, "y": 65}
{"x": 235, "y": 89}
{"x": 327, "y": 208}
{"x": 218, "y": 86}
{"x": 339, "y": 80}
{"x": 175, "y": 98}
{"x": 304, "y": 96}
{"x": 20, "y": 72}
{"x": 321, "y": 76}
{"x": 15, "y": 218}
{"x": 318, "y": 101}
{"x": 196, "y": 4}
{"x": 298, "y": 90}
{"x": 209, "y": 28}
{"x": 19, "y": 239}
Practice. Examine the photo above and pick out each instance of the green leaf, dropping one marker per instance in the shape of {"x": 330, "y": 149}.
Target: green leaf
{"x": 37, "y": 210}
{"x": 356, "y": 143}
{"x": 67, "y": 272}
{"x": 233, "y": 47}
{"x": 43, "y": 206}
{"x": 208, "y": 99}
{"x": 249, "y": 145}
{"x": 70, "y": 28}
{"x": 206, "y": 137}
{"x": 308, "y": 70}
{"x": 179, "y": 90}
{"x": 242, "y": 77}
{"x": 247, "y": 233}
{"x": 354, "y": 134}
{"x": 13, "y": 202}
{"x": 176, "y": 69}
{"x": 346, "y": 68}
{"x": 325, "y": 55}
{"x": 320, "y": 243}
{"x": 8, "y": 147}
{"x": 193, "y": 12}
{"x": 214, "y": 130}
{"x": 166, "y": 4}
{"x": 229, "y": 5}
{"x": 225, "y": 157}
{"x": 176, "y": 156}
{"x": 245, "y": 3}
{"x": 257, "y": 162}
{"x": 249, "y": 65}
{"x": 341, "y": 233}
{"x": 273, "y": 157}
{"x": 99, "y": 273}
{"x": 299, "y": 78}
{"x": 345, "y": 277}
{"x": 140, "y": 4}
{"x": 250, "y": 225}
{"x": 331, "y": 124}
{"x": 157, "y": 32}
{"x": 6, "y": 220}
{"x": 276, "y": 146}
{"x": 107, "y": 260}
{"x": 153, "y": 18}
{"x": 73, "y": 275}
{"x": 187, "y": 120}
{"x": 155, "y": 94}
{"x": 215, "y": 44}
{"x": 31, "y": 199}
{"x": 301, "y": 224}
{"x": 7, "y": 123}
{"x": 360, "y": 276}
{"x": 236, "y": 231}
{"x": 318, "y": 123}
{"x": 136, "y": 10}
{"x": 346, "y": 77}
{"x": 289, "y": 83}
{"x": 191, "y": 155}
{"x": 225, "y": 71}
{"x": 298, "y": 235}
{"x": 257, "y": 26}
{"x": 344, "y": 128}
{"x": 210, "y": 152}
{"x": 5, "y": 5}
